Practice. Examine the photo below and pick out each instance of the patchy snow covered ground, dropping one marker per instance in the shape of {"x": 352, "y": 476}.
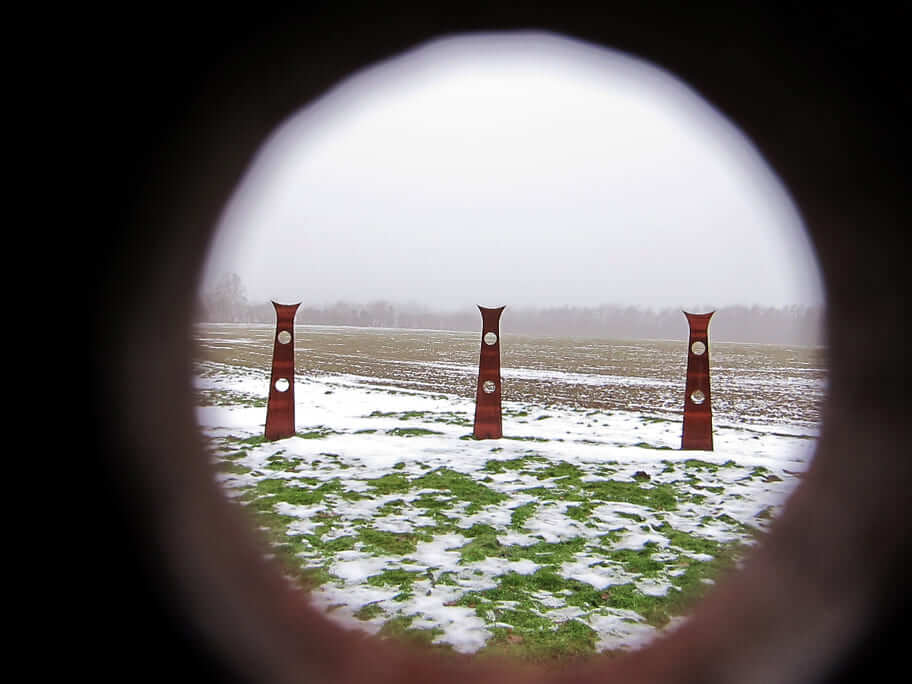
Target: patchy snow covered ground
{"x": 580, "y": 531}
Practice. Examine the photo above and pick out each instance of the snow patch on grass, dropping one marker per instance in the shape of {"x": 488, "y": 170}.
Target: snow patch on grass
{"x": 591, "y": 519}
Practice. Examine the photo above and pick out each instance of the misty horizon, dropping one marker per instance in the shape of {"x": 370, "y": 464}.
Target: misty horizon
{"x": 418, "y": 306}
{"x": 801, "y": 325}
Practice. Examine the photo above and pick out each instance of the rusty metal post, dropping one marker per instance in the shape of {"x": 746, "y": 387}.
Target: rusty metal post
{"x": 697, "y": 433}
{"x": 488, "y": 419}
{"x": 280, "y": 411}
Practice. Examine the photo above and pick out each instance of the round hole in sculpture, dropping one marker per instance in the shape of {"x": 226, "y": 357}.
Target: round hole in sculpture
{"x": 284, "y": 337}
{"x": 282, "y": 384}
{"x": 697, "y": 397}
{"x": 698, "y": 348}
{"x": 490, "y": 338}
{"x": 489, "y": 386}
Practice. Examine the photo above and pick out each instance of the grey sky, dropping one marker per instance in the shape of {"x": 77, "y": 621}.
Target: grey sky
{"x": 587, "y": 176}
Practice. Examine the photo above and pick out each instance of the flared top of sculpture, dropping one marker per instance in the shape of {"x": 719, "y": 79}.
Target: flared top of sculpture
{"x": 698, "y": 321}
{"x": 285, "y": 308}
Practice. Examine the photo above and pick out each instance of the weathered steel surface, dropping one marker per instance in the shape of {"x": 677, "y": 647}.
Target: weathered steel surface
{"x": 697, "y": 433}
{"x": 280, "y": 411}
{"x": 488, "y": 419}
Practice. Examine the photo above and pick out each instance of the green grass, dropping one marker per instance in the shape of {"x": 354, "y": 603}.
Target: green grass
{"x": 610, "y": 538}
{"x": 319, "y": 432}
{"x": 333, "y": 546}
{"x": 484, "y": 544}
{"x": 256, "y": 440}
{"x": 409, "y": 415}
{"x": 388, "y": 543}
{"x": 436, "y": 508}
{"x": 452, "y": 419}
{"x": 560, "y": 470}
{"x": 398, "y": 628}
{"x": 638, "y": 561}
{"x": 580, "y": 513}
{"x": 403, "y": 579}
{"x": 269, "y": 491}
{"x": 394, "y": 506}
{"x": 569, "y": 486}
{"x": 368, "y": 612}
{"x": 660, "y": 497}
{"x": 532, "y": 636}
{"x": 567, "y": 642}
{"x": 311, "y": 578}
{"x": 521, "y": 514}
{"x": 698, "y": 465}
{"x": 523, "y": 463}
{"x": 412, "y": 432}
{"x": 277, "y": 463}
{"x": 393, "y": 483}
{"x": 232, "y": 468}
{"x": 450, "y": 495}
{"x": 213, "y": 397}
{"x": 690, "y": 542}
{"x": 460, "y": 486}
{"x": 551, "y": 553}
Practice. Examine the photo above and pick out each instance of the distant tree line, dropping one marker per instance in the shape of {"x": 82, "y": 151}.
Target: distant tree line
{"x": 800, "y": 325}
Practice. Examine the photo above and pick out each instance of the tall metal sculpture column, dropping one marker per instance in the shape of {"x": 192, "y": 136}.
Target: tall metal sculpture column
{"x": 697, "y": 434}
{"x": 280, "y": 412}
{"x": 488, "y": 419}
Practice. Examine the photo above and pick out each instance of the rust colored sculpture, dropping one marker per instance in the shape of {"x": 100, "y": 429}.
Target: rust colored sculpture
{"x": 280, "y": 411}
{"x": 697, "y": 434}
{"x": 488, "y": 420}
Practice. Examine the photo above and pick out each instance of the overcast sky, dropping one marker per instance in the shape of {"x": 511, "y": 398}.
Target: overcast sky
{"x": 519, "y": 170}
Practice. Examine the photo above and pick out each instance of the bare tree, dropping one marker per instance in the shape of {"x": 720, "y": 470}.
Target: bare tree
{"x": 227, "y": 303}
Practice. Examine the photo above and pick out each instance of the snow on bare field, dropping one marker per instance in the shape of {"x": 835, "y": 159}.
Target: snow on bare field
{"x": 583, "y": 528}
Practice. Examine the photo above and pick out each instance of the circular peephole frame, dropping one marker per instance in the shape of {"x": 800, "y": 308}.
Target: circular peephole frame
{"x": 817, "y": 599}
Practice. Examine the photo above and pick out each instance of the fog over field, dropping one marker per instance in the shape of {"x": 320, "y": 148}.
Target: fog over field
{"x": 794, "y": 325}
{"x": 523, "y": 169}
